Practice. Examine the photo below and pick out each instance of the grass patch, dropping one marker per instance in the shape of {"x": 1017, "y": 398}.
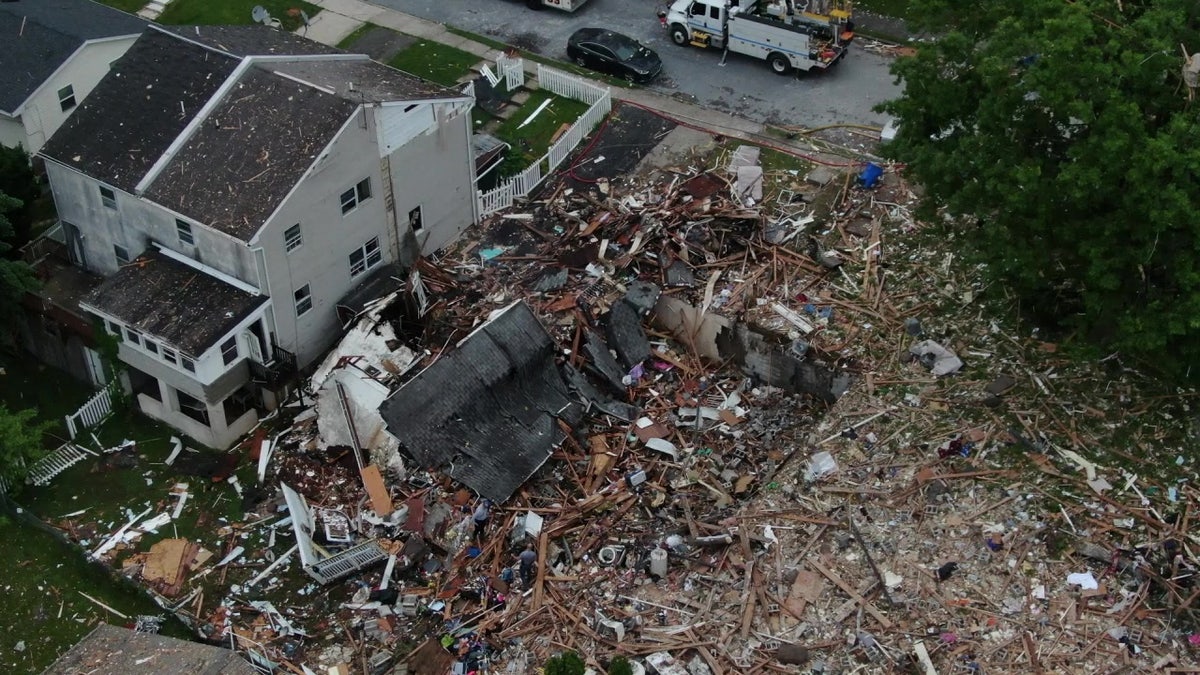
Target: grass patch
{"x": 350, "y": 39}
{"x": 42, "y": 604}
{"x": 131, "y": 6}
{"x": 532, "y": 141}
{"x": 435, "y": 62}
{"x": 235, "y": 12}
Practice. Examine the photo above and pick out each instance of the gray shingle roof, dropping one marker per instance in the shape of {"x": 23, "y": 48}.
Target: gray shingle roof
{"x": 172, "y": 301}
{"x": 40, "y": 35}
{"x": 109, "y": 650}
{"x": 486, "y": 412}
{"x": 130, "y": 119}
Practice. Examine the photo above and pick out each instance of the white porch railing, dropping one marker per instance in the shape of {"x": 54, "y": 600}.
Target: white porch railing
{"x": 599, "y": 100}
{"x": 98, "y": 407}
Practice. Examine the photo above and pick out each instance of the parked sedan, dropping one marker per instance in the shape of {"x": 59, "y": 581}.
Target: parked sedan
{"x": 613, "y": 53}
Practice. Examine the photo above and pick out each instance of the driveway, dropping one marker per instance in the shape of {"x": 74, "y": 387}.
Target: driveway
{"x": 743, "y": 86}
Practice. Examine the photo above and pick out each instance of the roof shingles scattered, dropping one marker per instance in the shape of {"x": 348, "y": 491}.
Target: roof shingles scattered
{"x": 249, "y": 153}
{"x": 172, "y": 301}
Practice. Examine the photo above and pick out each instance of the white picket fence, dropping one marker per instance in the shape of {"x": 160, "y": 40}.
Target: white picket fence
{"x": 512, "y": 70}
{"x": 599, "y": 100}
{"x": 98, "y": 407}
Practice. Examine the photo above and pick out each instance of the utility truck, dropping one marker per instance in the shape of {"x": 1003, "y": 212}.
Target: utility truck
{"x": 787, "y": 34}
{"x": 565, "y": 5}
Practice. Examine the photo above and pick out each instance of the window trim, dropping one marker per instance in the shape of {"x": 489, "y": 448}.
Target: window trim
{"x": 302, "y": 296}
{"x": 352, "y": 198}
{"x": 109, "y": 200}
{"x": 133, "y": 336}
{"x": 376, "y": 252}
{"x": 292, "y": 243}
{"x": 122, "y": 260}
{"x": 170, "y": 356}
{"x": 70, "y": 96}
{"x": 187, "y": 364}
{"x": 226, "y": 357}
{"x": 185, "y": 233}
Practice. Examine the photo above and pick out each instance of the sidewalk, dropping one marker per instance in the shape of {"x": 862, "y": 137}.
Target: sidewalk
{"x": 340, "y": 18}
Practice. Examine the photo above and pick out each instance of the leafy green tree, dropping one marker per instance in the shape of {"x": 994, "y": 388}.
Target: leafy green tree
{"x": 17, "y": 181}
{"x": 567, "y": 663}
{"x": 1063, "y": 138}
{"x": 620, "y": 666}
{"x": 16, "y": 277}
{"x": 20, "y": 444}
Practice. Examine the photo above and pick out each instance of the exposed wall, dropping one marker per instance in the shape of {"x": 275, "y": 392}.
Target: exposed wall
{"x": 43, "y": 114}
{"x": 436, "y": 171}
{"x": 133, "y": 224}
{"x": 323, "y": 261}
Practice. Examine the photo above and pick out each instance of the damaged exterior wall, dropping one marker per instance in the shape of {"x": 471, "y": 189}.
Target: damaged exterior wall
{"x": 717, "y": 338}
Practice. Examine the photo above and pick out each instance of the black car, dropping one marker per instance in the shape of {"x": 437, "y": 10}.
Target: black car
{"x": 613, "y": 53}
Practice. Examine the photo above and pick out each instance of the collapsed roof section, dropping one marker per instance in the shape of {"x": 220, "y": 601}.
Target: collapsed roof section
{"x": 487, "y": 413}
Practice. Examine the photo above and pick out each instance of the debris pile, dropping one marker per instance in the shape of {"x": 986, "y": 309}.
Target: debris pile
{"x": 714, "y": 418}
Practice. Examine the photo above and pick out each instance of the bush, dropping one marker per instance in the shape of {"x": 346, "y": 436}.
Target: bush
{"x": 567, "y": 663}
{"x": 620, "y": 666}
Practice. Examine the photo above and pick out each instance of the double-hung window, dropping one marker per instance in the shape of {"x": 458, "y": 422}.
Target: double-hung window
{"x": 356, "y": 195}
{"x": 365, "y": 257}
{"x": 303, "y": 298}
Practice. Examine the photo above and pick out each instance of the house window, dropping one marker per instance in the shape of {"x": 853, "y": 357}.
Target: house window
{"x": 122, "y": 254}
{"x": 303, "y": 298}
{"x": 292, "y": 238}
{"x": 354, "y": 196}
{"x": 188, "y": 364}
{"x": 229, "y": 351}
{"x": 114, "y": 328}
{"x": 151, "y": 346}
{"x": 66, "y": 98}
{"x": 108, "y": 197}
{"x": 169, "y": 356}
{"x": 365, "y": 257}
{"x": 415, "y": 220}
{"x": 133, "y": 336}
{"x": 193, "y": 407}
{"x": 184, "y": 230}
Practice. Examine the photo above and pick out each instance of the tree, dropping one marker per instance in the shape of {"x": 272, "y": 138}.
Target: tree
{"x": 17, "y": 181}
{"x": 20, "y": 444}
{"x": 620, "y": 666}
{"x": 16, "y": 276}
{"x": 1061, "y": 135}
{"x": 567, "y": 663}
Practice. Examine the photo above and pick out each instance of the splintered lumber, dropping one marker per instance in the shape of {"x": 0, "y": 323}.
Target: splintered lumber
{"x": 539, "y": 586}
{"x": 748, "y": 600}
{"x": 849, "y": 590}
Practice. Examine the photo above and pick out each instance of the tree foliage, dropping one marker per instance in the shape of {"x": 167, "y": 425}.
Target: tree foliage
{"x": 567, "y": 663}
{"x": 1062, "y": 135}
{"x": 20, "y": 444}
{"x": 17, "y": 181}
{"x": 16, "y": 277}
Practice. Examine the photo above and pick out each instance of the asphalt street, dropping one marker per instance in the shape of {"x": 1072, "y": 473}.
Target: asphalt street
{"x": 743, "y": 86}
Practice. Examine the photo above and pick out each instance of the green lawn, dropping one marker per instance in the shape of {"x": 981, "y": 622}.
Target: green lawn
{"x": 355, "y": 36}
{"x": 131, "y": 6}
{"x": 42, "y": 604}
{"x": 235, "y": 12}
{"x": 531, "y": 141}
{"x": 435, "y": 62}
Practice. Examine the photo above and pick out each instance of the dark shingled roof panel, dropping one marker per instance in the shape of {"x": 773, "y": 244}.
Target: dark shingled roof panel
{"x": 250, "y": 152}
{"x": 121, "y": 129}
{"x": 372, "y": 82}
{"x": 486, "y": 412}
{"x": 170, "y": 300}
{"x": 40, "y": 35}
{"x": 256, "y": 40}
{"x": 109, "y": 650}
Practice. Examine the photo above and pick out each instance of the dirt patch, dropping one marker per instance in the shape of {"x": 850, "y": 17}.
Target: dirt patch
{"x": 630, "y": 134}
{"x": 382, "y": 44}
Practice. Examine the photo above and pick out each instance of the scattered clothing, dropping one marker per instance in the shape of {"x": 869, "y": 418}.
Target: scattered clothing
{"x": 944, "y": 572}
